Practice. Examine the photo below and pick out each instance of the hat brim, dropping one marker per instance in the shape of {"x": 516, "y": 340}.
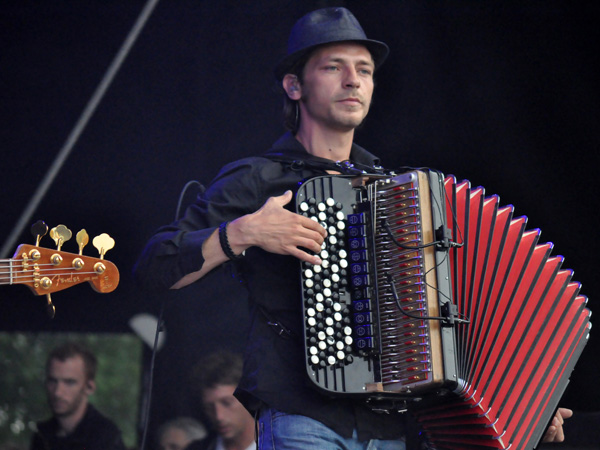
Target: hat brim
{"x": 379, "y": 52}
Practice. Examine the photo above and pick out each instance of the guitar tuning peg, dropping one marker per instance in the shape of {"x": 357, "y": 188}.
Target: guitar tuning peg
{"x": 39, "y": 230}
{"x": 50, "y": 309}
{"x": 60, "y": 234}
{"x": 82, "y": 239}
{"x": 103, "y": 243}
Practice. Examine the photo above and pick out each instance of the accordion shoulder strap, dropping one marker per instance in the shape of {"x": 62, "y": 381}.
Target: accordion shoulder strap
{"x": 301, "y": 160}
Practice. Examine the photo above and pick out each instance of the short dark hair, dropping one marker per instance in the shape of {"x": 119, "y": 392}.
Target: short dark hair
{"x": 72, "y": 350}
{"x": 220, "y": 368}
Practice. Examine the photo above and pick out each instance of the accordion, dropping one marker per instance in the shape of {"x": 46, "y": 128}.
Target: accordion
{"x": 433, "y": 297}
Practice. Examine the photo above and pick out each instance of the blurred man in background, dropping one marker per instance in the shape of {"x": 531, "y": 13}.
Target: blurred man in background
{"x": 75, "y": 423}
{"x": 216, "y": 378}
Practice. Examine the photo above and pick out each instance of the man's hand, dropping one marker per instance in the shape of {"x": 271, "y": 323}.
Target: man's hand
{"x": 277, "y": 230}
{"x": 555, "y": 432}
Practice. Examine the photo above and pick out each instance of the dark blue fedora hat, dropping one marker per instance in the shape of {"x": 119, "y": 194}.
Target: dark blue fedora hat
{"x": 326, "y": 26}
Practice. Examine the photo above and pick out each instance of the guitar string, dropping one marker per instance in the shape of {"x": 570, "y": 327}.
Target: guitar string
{"x": 18, "y": 272}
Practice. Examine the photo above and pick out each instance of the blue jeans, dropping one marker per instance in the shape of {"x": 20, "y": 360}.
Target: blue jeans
{"x": 281, "y": 431}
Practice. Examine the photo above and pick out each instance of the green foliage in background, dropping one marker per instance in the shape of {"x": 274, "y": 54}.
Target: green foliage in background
{"x": 22, "y": 395}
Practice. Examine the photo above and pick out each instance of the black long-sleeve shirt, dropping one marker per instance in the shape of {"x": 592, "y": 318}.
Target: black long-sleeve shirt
{"x": 94, "y": 432}
{"x": 274, "y": 367}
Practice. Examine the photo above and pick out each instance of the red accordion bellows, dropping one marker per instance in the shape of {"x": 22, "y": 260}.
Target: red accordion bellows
{"x": 434, "y": 298}
{"x": 527, "y": 327}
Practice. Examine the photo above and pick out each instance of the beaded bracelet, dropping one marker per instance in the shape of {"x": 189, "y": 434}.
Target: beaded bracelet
{"x": 225, "y": 243}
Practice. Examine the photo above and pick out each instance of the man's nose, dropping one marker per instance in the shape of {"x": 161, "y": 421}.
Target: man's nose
{"x": 220, "y": 412}
{"x": 352, "y": 80}
{"x": 57, "y": 388}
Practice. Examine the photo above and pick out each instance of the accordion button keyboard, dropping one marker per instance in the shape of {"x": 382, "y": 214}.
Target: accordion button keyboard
{"x": 333, "y": 331}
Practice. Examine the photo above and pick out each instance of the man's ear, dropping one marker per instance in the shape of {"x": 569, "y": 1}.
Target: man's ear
{"x": 90, "y": 387}
{"x": 292, "y": 87}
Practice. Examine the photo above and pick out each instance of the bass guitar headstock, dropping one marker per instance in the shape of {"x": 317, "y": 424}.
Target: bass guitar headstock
{"x": 46, "y": 271}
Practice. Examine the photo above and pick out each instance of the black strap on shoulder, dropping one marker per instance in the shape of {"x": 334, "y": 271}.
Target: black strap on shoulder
{"x": 299, "y": 160}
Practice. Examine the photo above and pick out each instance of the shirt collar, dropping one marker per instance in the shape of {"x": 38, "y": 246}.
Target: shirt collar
{"x": 288, "y": 144}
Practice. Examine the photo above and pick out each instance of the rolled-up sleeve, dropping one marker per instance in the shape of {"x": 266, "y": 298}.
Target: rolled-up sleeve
{"x": 176, "y": 250}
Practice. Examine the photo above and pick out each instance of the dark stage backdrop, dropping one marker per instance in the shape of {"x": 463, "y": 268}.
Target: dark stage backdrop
{"x": 504, "y": 94}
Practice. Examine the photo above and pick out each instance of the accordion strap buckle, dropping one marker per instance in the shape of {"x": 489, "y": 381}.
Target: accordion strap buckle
{"x": 281, "y": 331}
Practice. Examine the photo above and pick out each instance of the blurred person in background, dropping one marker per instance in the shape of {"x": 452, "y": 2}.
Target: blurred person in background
{"x": 75, "y": 422}
{"x": 216, "y": 377}
{"x": 176, "y": 434}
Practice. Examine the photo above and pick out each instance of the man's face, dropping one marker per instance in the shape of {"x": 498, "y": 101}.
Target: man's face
{"x": 337, "y": 87}
{"x": 226, "y": 413}
{"x": 67, "y": 388}
{"x": 174, "y": 439}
